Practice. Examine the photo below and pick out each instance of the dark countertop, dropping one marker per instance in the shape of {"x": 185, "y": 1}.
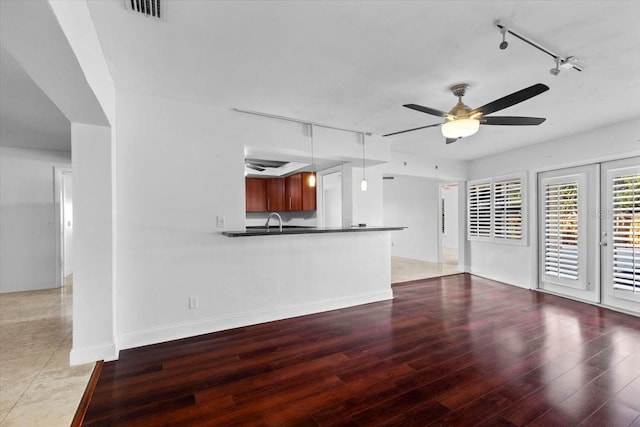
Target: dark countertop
{"x": 274, "y": 231}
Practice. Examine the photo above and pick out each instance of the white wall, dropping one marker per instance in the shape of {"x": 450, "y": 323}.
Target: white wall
{"x": 93, "y": 275}
{"x": 301, "y": 219}
{"x": 27, "y": 218}
{"x": 605, "y": 143}
{"x": 413, "y": 202}
{"x": 426, "y": 165}
{"x": 450, "y": 195}
{"x": 178, "y": 166}
{"x": 332, "y": 199}
{"x": 367, "y": 205}
{"x": 262, "y": 135}
{"x": 517, "y": 264}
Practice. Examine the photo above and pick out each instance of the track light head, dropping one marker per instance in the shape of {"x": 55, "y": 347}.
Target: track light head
{"x": 568, "y": 63}
{"x": 556, "y": 70}
{"x": 504, "y": 43}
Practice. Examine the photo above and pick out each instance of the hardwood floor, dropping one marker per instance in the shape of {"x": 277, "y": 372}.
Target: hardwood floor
{"x": 457, "y": 350}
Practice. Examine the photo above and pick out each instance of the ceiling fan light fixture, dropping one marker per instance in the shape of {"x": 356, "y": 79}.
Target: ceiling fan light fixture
{"x": 459, "y": 128}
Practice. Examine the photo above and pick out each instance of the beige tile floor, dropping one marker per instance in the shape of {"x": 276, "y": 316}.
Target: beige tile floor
{"x": 404, "y": 269}
{"x": 37, "y": 385}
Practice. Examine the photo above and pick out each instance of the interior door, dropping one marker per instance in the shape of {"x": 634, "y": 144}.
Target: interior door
{"x": 620, "y": 234}
{"x": 567, "y": 230}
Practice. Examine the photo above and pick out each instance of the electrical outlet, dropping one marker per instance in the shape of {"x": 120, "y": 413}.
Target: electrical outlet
{"x": 220, "y": 221}
{"x": 193, "y": 302}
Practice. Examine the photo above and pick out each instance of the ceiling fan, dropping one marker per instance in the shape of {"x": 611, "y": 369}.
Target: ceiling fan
{"x": 462, "y": 121}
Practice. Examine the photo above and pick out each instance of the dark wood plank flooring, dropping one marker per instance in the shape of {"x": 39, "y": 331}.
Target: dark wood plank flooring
{"x": 457, "y": 350}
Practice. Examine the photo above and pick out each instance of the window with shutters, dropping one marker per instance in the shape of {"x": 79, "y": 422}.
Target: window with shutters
{"x": 496, "y": 210}
{"x": 561, "y": 230}
{"x": 626, "y": 232}
{"x": 507, "y": 209}
{"x": 479, "y": 210}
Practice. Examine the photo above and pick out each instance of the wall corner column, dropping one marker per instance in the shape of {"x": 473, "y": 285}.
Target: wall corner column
{"x": 93, "y": 278}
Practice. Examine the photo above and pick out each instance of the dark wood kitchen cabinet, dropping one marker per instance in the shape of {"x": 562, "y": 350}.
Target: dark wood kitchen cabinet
{"x": 275, "y": 194}
{"x": 290, "y": 194}
{"x": 255, "y": 194}
{"x": 293, "y": 192}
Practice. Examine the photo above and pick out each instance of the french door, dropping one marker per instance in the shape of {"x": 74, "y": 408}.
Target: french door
{"x": 621, "y": 234}
{"x": 589, "y": 233}
{"x": 567, "y": 232}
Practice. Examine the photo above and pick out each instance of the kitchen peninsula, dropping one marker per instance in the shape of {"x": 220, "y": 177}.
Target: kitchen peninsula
{"x": 274, "y": 231}
{"x": 304, "y": 270}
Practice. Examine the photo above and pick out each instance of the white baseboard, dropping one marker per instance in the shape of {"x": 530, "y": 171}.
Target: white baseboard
{"x": 498, "y": 278}
{"x": 79, "y": 356}
{"x": 190, "y": 329}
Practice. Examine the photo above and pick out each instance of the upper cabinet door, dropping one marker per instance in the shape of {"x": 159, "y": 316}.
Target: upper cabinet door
{"x": 290, "y": 194}
{"x": 293, "y": 193}
{"x": 255, "y": 194}
{"x": 308, "y": 192}
{"x": 275, "y": 194}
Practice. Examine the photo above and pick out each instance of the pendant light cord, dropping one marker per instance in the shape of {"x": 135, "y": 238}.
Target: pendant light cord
{"x": 363, "y": 168}
{"x": 311, "y": 136}
{"x": 363, "y": 184}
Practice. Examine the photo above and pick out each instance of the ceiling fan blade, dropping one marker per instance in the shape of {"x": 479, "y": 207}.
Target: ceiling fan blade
{"x": 512, "y": 121}
{"x": 451, "y": 140}
{"x": 427, "y": 110}
{"x": 513, "y": 99}
{"x": 411, "y": 130}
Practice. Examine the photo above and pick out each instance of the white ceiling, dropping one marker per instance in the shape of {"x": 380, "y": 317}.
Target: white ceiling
{"x": 29, "y": 119}
{"x": 353, "y": 64}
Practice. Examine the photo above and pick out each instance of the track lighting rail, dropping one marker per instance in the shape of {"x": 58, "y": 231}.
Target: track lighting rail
{"x": 558, "y": 58}
{"x": 305, "y": 122}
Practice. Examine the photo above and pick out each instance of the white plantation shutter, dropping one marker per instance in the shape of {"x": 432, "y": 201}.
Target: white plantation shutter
{"x": 561, "y": 230}
{"x": 626, "y": 232}
{"x": 507, "y": 209}
{"x": 479, "y": 210}
{"x": 496, "y": 210}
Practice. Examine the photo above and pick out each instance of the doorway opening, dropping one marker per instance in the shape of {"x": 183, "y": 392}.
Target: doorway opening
{"x": 63, "y": 189}
{"x": 428, "y": 207}
{"x": 449, "y": 224}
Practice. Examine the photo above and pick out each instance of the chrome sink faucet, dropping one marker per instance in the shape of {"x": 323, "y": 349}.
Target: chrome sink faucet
{"x": 279, "y": 220}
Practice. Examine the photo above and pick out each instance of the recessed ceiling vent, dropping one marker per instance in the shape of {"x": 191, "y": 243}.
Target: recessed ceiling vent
{"x": 148, "y": 8}
{"x": 262, "y": 165}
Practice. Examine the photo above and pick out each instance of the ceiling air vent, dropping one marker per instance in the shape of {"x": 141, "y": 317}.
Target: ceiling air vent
{"x": 148, "y": 8}
{"x": 262, "y": 165}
